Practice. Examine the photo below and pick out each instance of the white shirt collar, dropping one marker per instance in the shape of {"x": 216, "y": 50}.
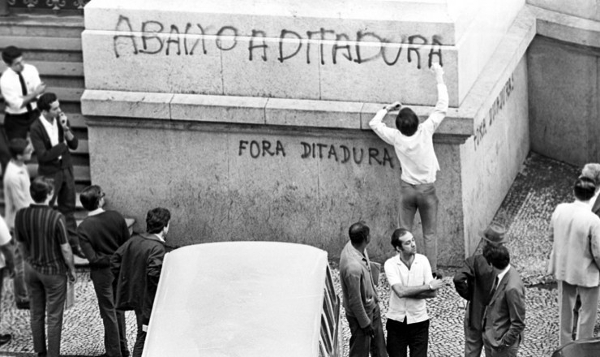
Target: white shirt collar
{"x": 503, "y": 273}
{"x": 96, "y": 211}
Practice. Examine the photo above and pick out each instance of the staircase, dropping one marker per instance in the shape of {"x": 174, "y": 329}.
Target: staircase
{"x": 53, "y": 44}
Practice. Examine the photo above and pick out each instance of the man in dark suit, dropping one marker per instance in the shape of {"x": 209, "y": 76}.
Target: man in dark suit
{"x": 360, "y": 295}
{"x": 474, "y": 282}
{"x": 52, "y": 139}
{"x": 137, "y": 265}
{"x": 504, "y": 317}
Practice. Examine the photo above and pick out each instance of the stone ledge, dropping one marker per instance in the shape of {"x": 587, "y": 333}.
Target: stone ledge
{"x": 567, "y": 28}
{"x": 249, "y": 110}
{"x": 126, "y": 104}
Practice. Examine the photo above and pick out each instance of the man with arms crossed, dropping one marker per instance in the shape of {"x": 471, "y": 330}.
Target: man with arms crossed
{"x": 360, "y": 296}
{"x": 42, "y": 237}
{"x": 474, "y": 282}
{"x": 411, "y": 282}
{"x": 100, "y": 235}
{"x": 575, "y": 259}
{"x": 20, "y": 85}
{"x": 16, "y": 197}
{"x": 136, "y": 266}
{"x": 413, "y": 143}
{"x": 504, "y": 317}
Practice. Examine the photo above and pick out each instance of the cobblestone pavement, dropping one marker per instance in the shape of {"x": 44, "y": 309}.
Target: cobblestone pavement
{"x": 540, "y": 186}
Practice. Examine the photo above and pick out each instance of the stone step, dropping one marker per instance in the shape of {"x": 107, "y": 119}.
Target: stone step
{"x": 41, "y": 25}
{"x": 58, "y": 69}
{"x": 66, "y": 94}
{"x": 39, "y": 43}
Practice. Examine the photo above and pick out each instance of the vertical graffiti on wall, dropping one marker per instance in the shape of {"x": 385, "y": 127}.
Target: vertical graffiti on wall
{"x": 482, "y": 129}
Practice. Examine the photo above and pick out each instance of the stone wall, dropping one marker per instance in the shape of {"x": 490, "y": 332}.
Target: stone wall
{"x": 564, "y": 101}
{"x": 231, "y": 182}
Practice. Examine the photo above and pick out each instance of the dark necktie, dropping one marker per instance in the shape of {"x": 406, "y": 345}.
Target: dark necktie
{"x": 494, "y": 288}
{"x": 24, "y": 90}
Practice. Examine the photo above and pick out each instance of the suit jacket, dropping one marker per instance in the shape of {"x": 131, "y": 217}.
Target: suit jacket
{"x": 358, "y": 287}
{"x": 474, "y": 282}
{"x": 504, "y": 317}
{"x": 47, "y": 155}
{"x": 137, "y": 265}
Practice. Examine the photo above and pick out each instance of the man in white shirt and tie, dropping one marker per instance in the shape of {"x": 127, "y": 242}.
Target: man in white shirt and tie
{"x": 20, "y": 85}
{"x": 413, "y": 143}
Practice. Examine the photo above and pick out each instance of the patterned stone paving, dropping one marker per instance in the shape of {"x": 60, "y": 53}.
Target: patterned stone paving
{"x": 540, "y": 186}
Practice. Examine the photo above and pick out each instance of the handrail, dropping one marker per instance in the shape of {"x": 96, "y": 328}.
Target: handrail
{"x": 57, "y": 6}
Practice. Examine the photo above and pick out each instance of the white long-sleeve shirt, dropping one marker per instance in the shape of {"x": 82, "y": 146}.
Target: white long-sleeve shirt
{"x": 415, "y": 153}
{"x": 12, "y": 91}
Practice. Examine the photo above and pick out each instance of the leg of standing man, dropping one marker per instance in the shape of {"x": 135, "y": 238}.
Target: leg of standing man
{"x": 587, "y": 312}
{"x": 64, "y": 196}
{"x": 138, "y": 348}
{"x": 103, "y": 285}
{"x": 428, "y": 207}
{"x": 37, "y": 296}
{"x": 56, "y": 294}
{"x": 408, "y": 206}
{"x": 567, "y": 294}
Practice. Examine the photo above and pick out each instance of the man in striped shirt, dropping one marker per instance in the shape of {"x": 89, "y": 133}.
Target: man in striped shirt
{"x": 41, "y": 234}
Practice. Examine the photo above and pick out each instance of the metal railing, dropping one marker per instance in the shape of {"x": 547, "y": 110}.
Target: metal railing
{"x": 56, "y": 6}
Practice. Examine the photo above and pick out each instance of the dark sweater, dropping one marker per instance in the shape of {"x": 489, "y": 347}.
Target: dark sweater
{"x": 101, "y": 235}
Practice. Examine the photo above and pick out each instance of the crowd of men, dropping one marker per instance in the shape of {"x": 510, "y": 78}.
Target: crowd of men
{"x": 39, "y": 235}
{"x": 37, "y": 243}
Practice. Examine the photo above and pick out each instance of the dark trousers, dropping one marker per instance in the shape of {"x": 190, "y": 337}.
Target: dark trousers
{"x": 473, "y": 340}
{"x": 47, "y": 294}
{"x": 17, "y": 125}
{"x": 19, "y": 285}
{"x": 422, "y": 198}
{"x": 115, "y": 338}
{"x": 142, "y": 325}
{"x": 3, "y": 271}
{"x": 360, "y": 343}
{"x": 64, "y": 195}
{"x": 511, "y": 351}
{"x": 402, "y": 335}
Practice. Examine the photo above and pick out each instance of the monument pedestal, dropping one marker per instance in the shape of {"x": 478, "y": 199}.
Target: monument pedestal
{"x": 250, "y": 122}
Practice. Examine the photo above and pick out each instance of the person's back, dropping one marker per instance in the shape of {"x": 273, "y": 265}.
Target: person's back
{"x": 140, "y": 260}
{"x": 574, "y": 228}
{"x": 101, "y": 235}
{"x": 41, "y": 240}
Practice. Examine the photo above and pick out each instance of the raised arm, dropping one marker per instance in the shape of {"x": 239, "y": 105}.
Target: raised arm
{"x": 441, "y": 107}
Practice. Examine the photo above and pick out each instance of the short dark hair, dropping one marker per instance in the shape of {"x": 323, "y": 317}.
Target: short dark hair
{"x": 17, "y": 147}
{"x": 359, "y": 233}
{"x": 45, "y": 101}
{"x": 40, "y": 188}
{"x": 407, "y": 121}
{"x": 399, "y": 232}
{"x": 90, "y": 197}
{"x": 157, "y": 219}
{"x": 11, "y": 53}
{"x": 497, "y": 255}
{"x": 584, "y": 188}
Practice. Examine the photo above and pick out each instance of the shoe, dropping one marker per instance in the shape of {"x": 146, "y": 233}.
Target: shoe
{"x": 4, "y": 339}
{"x": 22, "y": 305}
